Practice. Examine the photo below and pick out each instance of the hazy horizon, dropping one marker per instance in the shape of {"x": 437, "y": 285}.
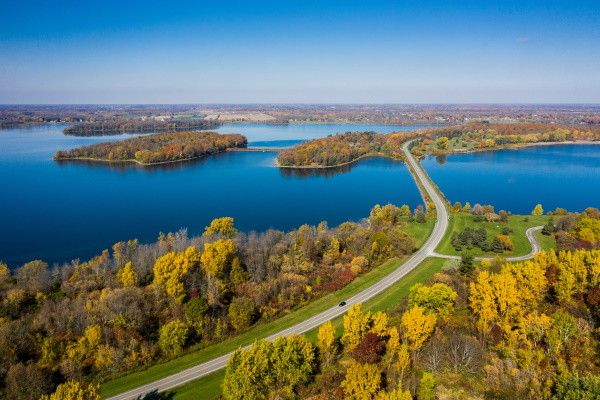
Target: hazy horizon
{"x": 383, "y": 52}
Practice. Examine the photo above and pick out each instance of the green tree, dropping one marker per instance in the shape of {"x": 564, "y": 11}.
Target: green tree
{"x": 466, "y": 264}
{"x": 269, "y": 369}
{"x": 194, "y": 312}
{"x": 575, "y": 387}
{"x": 548, "y": 229}
{"x": 426, "y": 389}
{"x": 249, "y": 374}
{"x": 437, "y": 298}
{"x": 172, "y": 337}
{"x": 293, "y": 359}
{"x": 442, "y": 143}
{"x": 241, "y": 312}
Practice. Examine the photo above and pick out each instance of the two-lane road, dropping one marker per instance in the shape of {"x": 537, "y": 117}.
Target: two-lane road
{"x": 198, "y": 371}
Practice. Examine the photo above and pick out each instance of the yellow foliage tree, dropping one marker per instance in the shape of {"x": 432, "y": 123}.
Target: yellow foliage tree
{"x": 127, "y": 275}
{"x": 537, "y": 210}
{"x": 326, "y": 341}
{"x": 362, "y": 381}
{"x": 359, "y": 264}
{"x": 86, "y": 345}
{"x": 170, "y": 269}
{"x": 73, "y": 390}
{"x": 4, "y": 272}
{"x": 530, "y": 280}
{"x": 482, "y": 302}
{"x": 356, "y": 324}
{"x": 405, "y": 210}
{"x": 397, "y": 394}
{"x": 417, "y": 327}
{"x": 217, "y": 256}
{"x": 379, "y": 324}
{"x": 223, "y": 226}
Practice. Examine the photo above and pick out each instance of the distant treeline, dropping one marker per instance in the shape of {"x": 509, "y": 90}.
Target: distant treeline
{"x": 344, "y": 148}
{"x": 157, "y": 148}
{"x": 136, "y": 126}
{"x": 485, "y": 136}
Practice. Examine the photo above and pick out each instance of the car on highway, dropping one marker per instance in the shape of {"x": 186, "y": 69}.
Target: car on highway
{"x": 342, "y": 304}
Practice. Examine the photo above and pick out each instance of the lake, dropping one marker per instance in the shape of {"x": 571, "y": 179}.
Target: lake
{"x": 566, "y": 176}
{"x": 61, "y": 211}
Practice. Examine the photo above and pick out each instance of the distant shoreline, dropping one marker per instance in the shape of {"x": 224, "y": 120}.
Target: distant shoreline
{"x": 371, "y": 155}
{"x": 515, "y": 146}
{"x": 519, "y": 146}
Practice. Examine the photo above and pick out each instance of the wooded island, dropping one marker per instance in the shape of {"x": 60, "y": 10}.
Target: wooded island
{"x": 158, "y": 148}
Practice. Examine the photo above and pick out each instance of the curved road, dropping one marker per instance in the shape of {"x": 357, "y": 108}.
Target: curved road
{"x": 530, "y": 233}
{"x": 425, "y": 251}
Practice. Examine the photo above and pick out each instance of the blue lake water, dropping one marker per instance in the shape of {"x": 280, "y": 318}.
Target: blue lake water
{"x": 566, "y": 176}
{"x": 61, "y": 211}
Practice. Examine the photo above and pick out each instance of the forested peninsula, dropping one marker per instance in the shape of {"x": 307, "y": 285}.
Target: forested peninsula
{"x": 336, "y": 150}
{"x": 157, "y": 148}
{"x": 344, "y": 148}
{"x": 114, "y": 127}
{"x": 484, "y": 136}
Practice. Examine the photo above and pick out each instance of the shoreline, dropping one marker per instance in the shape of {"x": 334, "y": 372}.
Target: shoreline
{"x": 338, "y": 165}
{"x": 517, "y": 146}
{"x": 273, "y": 150}
{"x": 132, "y": 161}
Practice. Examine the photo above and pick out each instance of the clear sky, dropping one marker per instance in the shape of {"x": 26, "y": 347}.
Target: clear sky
{"x": 299, "y": 51}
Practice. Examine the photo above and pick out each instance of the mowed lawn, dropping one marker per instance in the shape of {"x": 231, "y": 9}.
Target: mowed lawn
{"x": 518, "y": 223}
{"x": 210, "y": 386}
{"x": 198, "y": 355}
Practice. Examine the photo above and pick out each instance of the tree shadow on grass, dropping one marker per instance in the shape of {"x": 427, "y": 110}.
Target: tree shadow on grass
{"x": 155, "y": 395}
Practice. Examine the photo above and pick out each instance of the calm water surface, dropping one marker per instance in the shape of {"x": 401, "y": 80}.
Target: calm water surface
{"x": 516, "y": 180}
{"x": 60, "y": 211}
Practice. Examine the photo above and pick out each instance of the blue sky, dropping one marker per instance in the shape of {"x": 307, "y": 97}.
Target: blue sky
{"x": 299, "y": 51}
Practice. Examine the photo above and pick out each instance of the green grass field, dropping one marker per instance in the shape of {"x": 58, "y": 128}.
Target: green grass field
{"x": 420, "y": 232}
{"x": 210, "y": 385}
{"x": 196, "y": 356}
{"x": 518, "y": 223}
